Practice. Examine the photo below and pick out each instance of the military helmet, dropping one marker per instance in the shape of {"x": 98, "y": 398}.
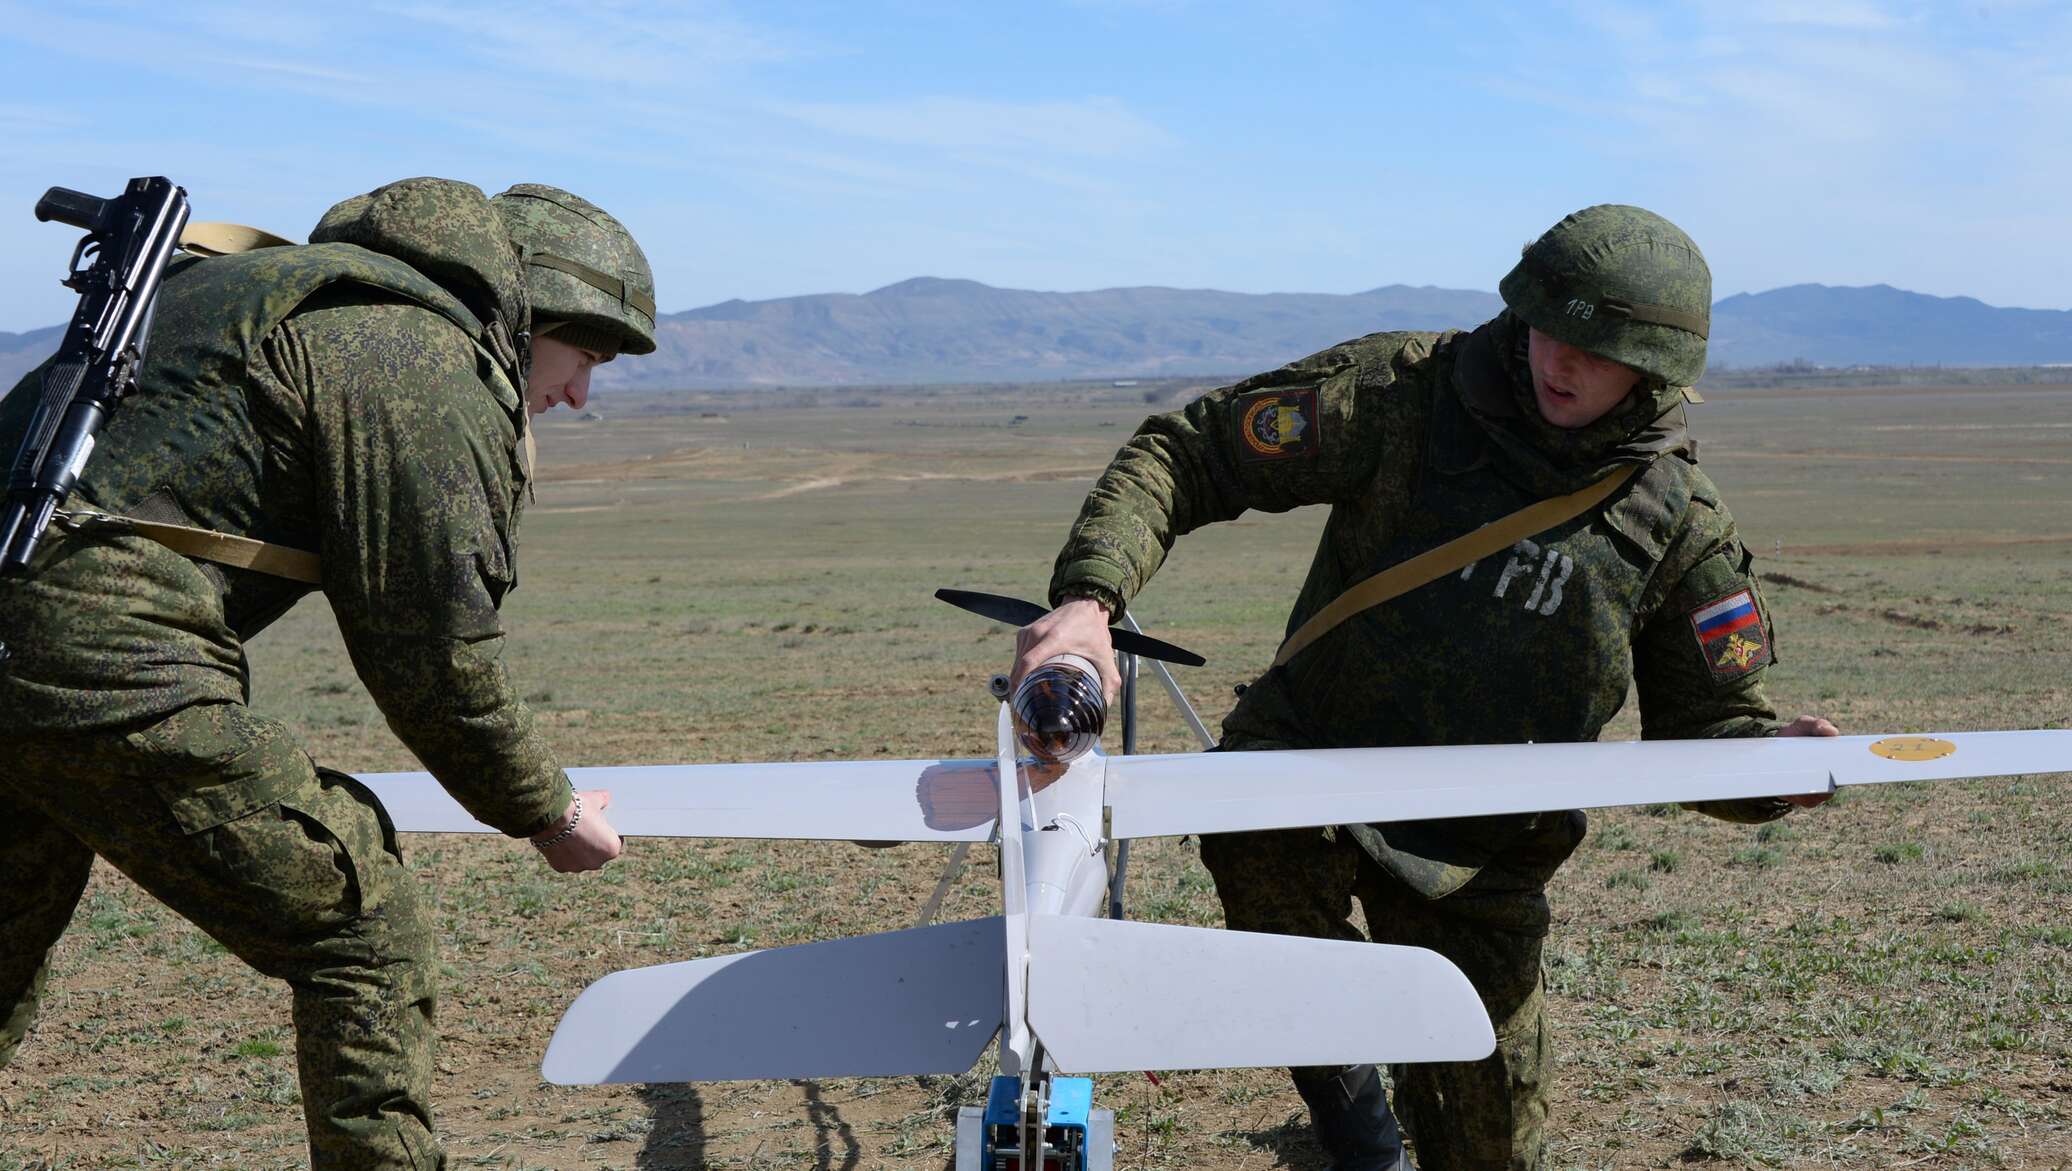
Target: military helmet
{"x": 586, "y": 274}
{"x": 1622, "y": 283}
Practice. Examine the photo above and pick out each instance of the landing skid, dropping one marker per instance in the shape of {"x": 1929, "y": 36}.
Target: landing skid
{"x": 1075, "y": 1136}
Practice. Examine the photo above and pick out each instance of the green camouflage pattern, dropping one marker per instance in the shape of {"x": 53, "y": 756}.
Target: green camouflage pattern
{"x": 547, "y": 220}
{"x": 1413, "y": 439}
{"x": 325, "y": 398}
{"x": 445, "y": 231}
{"x": 1561, "y": 624}
{"x": 334, "y": 398}
{"x": 1570, "y": 281}
{"x": 1459, "y": 1116}
{"x": 308, "y": 888}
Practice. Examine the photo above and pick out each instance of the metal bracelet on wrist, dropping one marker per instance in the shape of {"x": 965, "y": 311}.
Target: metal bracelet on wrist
{"x": 566, "y": 831}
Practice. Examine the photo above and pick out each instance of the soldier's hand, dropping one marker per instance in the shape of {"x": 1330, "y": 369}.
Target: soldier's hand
{"x": 594, "y": 841}
{"x": 1809, "y": 726}
{"x": 1079, "y": 627}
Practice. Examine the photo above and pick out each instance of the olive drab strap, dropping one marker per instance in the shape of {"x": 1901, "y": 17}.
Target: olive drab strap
{"x": 603, "y": 282}
{"x": 204, "y": 544}
{"x": 1656, "y": 315}
{"x": 1433, "y": 564}
{"x": 222, "y": 239}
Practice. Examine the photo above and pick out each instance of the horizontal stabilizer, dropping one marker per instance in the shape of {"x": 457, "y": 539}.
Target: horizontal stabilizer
{"x": 1108, "y": 995}
{"x": 1218, "y": 792}
{"x": 875, "y": 800}
{"x": 902, "y": 1002}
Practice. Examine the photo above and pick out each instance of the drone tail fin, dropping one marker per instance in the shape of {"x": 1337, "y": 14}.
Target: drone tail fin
{"x": 900, "y": 1002}
{"x": 1108, "y": 995}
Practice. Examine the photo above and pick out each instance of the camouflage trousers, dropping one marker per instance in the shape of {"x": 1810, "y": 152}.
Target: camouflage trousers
{"x": 219, "y": 815}
{"x": 1464, "y": 1116}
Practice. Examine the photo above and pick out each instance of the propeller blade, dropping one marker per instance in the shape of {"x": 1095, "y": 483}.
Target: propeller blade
{"x": 1147, "y": 647}
{"x": 1017, "y": 612}
{"x": 1013, "y": 611}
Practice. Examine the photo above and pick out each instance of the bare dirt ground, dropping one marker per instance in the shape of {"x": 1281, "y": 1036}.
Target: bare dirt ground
{"x": 1886, "y": 982}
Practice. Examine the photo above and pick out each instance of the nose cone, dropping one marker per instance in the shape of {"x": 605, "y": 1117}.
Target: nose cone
{"x": 1059, "y": 711}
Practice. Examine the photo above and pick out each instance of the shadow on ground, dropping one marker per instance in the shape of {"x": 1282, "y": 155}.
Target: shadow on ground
{"x": 832, "y": 1133}
{"x": 676, "y": 1136}
{"x": 1291, "y": 1144}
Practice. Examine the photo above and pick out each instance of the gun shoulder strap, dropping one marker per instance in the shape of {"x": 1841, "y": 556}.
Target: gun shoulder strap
{"x": 211, "y": 238}
{"x": 204, "y": 544}
{"x": 1433, "y": 564}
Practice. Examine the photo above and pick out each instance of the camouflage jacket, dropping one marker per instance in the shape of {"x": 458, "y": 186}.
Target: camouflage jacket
{"x": 344, "y": 397}
{"x": 1395, "y": 432}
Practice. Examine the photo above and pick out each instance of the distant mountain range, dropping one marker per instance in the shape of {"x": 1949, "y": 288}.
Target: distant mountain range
{"x": 23, "y": 352}
{"x": 933, "y": 330}
{"x": 930, "y": 330}
{"x": 1879, "y": 325}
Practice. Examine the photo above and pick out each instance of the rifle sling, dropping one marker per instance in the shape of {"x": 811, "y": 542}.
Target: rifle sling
{"x": 1433, "y": 564}
{"x": 215, "y": 238}
{"x": 206, "y": 545}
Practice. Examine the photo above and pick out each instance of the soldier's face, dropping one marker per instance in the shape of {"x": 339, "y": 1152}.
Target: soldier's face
{"x": 1575, "y": 388}
{"x": 560, "y": 374}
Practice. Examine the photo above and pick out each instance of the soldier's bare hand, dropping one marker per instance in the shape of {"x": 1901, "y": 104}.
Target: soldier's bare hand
{"x": 1079, "y": 627}
{"x": 593, "y": 844}
{"x": 1809, "y": 726}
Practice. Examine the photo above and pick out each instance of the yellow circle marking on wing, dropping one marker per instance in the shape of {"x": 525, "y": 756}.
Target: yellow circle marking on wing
{"x": 1912, "y": 748}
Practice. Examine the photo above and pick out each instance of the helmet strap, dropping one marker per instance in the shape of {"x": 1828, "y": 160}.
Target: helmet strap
{"x": 603, "y": 282}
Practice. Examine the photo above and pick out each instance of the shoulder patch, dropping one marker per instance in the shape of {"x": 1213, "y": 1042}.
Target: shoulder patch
{"x": 1731, "y": 636}
{"x": 1278, "y": 424}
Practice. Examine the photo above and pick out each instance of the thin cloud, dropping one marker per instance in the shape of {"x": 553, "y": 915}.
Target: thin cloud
{"x": 671, "y": 45}
{"x": 19, "y": 119}
{"x": 1846, "y": 14}
{"x": 1095, "y": 126}
{"x": 1850, "y": 132}
{"x": 291, "y": 69}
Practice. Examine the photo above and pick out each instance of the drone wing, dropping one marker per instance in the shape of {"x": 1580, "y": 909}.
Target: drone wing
{"x": 1218, "y": 792}
{"x": 890, "y": 800}
{"x": 926, "y": 1000}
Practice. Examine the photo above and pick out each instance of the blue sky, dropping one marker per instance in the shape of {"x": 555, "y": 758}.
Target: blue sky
{"x": 771, "y": 149}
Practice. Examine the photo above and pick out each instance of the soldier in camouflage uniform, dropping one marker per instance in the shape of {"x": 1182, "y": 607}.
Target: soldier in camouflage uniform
{"x": 357, "y": 397}
{"x": 1413, "y": 439}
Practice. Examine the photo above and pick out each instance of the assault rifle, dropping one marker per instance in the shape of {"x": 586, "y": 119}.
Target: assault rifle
{"x": 115, "y": 270}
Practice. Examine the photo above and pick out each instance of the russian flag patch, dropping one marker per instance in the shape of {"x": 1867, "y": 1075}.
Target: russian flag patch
{"x": 1731, "y": 636}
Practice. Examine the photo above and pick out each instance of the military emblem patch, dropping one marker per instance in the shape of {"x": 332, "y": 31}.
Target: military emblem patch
{"x": 1731, "y": 636}
{"x": 1278, "y": 424}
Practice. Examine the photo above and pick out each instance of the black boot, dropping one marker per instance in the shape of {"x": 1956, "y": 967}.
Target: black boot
{"x": 1354, "y": 1125}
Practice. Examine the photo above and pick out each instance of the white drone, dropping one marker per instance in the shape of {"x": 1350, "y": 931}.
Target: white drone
{"x": 1068, "y": 985}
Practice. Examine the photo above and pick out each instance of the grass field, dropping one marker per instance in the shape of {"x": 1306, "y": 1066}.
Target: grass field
{"x": 1884, "y": 982}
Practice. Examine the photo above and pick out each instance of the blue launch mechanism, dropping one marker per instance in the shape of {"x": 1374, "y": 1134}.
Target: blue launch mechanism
{"x": 1076, "y": 1137}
